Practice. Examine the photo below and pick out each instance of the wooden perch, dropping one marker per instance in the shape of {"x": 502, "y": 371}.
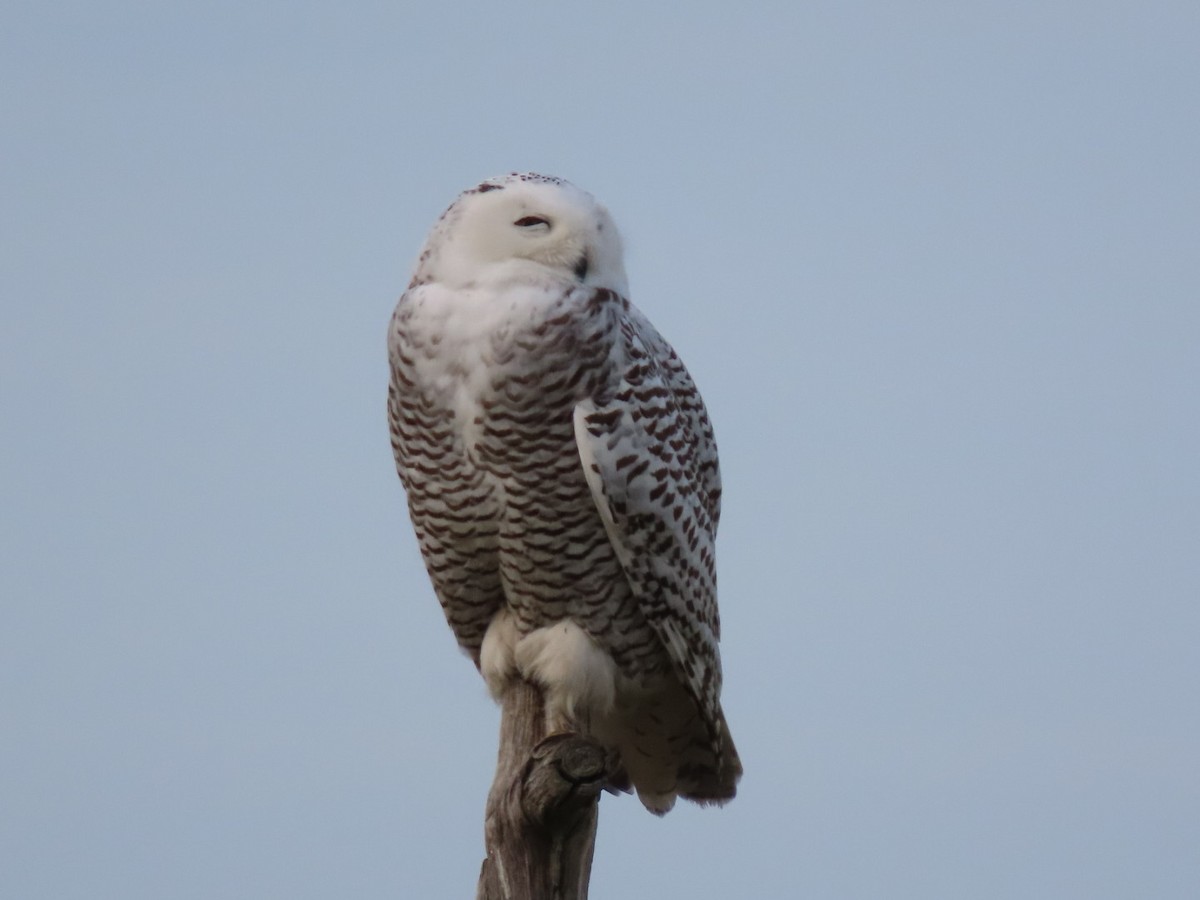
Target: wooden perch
{"x": 542, "y": 810}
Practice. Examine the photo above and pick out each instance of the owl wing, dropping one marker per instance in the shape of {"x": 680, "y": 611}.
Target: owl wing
{"x": 696, "y": 422}
{"x": 651, "y": 463}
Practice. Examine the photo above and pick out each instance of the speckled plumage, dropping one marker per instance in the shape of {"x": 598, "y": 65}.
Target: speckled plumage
{"x": 562, "y": 478}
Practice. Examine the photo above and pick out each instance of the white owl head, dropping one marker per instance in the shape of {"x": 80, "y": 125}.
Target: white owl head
{"x": 524, "y": 225}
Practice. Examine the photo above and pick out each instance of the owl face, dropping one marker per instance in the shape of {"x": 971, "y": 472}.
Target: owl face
{"x": 525, "y": 224}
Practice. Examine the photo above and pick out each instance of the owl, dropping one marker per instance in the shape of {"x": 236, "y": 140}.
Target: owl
{"x": 562, "y": 478}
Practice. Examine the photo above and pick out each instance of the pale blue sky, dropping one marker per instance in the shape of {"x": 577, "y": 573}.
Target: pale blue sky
{"x": 935, "y": 267}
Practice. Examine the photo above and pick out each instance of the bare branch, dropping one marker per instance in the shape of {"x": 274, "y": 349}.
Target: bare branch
{"x": 542, "y": 810}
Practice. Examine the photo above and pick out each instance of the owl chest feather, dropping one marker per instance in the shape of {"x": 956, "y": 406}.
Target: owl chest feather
{"x": 510, "y": 366}
{"x": 505, "y": 374}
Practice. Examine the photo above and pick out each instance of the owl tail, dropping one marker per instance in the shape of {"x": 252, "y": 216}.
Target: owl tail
{"x": 667, "y": 752}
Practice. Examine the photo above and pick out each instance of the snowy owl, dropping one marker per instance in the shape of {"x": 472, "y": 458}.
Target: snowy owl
{"x": 562, "y": 478}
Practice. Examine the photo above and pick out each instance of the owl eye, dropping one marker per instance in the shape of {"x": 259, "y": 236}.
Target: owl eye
{"x": 531, "y": 222}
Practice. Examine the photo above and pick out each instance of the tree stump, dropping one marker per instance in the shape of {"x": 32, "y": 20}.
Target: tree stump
{"x": 542, "y": 810}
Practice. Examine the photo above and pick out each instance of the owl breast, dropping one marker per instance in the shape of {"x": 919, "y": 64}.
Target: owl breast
{"x": 505, "y": 378}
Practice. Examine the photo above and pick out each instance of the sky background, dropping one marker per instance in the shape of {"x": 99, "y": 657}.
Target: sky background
{"x": 936, "y": 268}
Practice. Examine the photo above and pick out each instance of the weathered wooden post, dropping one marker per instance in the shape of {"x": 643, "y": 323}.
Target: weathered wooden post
{"x": 542, "y": 810}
